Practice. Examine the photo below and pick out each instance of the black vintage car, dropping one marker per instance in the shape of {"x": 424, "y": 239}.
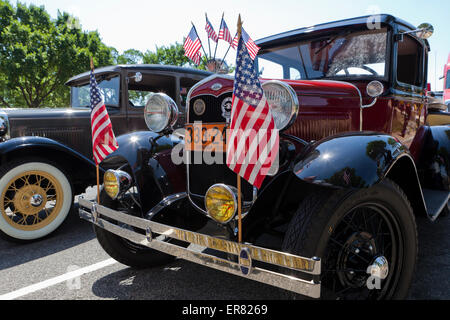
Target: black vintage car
{"x": 46, "y": 154}
{"x": 362, "y": 152}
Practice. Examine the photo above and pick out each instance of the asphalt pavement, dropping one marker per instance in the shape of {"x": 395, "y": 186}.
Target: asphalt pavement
{"x": 70, "y": 265}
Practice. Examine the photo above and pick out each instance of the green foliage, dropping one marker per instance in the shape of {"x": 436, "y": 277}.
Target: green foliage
{"x": 171, "y": 55}
{"x": 38, "y": 54}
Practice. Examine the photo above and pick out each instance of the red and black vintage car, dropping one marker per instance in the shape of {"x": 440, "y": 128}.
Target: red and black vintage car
{"x": 361, "y": 155}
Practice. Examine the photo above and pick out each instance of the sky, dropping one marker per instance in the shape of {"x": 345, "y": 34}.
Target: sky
{"x": 145, "y": 24}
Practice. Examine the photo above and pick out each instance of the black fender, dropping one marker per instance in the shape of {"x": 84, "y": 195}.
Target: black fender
{"x": 431, "y": 150}
{"x": 361, "y": 160}
{"x": 69, "y": 159}
{"x": 147, "y": 156}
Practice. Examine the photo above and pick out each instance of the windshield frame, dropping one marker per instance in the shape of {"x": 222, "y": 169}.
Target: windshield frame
{"x": 330, "y": 35}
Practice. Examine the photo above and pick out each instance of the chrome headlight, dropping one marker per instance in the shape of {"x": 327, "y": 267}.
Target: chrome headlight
{"x": 4, "y": 127}
{"x": 160, "y": 113}
{"x": 283, "y": 103}
{"x": 116, "y": 183}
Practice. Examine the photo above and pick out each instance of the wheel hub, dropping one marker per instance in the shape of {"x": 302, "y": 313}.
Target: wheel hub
{"x": 358, "y": 251}
{"x": 29, "y": 199}
{"x": 379, "y": 268}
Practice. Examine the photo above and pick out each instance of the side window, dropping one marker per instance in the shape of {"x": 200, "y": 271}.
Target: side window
{"x": 409, "y": 61}
{"x": 139, "y": 92}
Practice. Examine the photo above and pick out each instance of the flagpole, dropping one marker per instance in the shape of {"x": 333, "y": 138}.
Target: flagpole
{"x": 225, "y": 54}
{"x": 239, "y": 28}
{"x": 209, "y": 44}
{"x": 195, "y": 29}
{"x": 97, "y": 170}
{"x": 215, "y": 50}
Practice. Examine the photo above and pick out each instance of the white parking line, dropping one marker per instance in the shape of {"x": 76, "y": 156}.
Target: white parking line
{"x": 50, "y": 282}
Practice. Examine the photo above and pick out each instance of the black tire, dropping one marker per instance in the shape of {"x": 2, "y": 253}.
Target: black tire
{"x": 127, "y": 252}
{"x": 24, "y": 218}
{"x": 348, "y": 230}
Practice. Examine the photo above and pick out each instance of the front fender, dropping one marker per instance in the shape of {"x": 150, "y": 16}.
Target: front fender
{"x": 431, "y": 150}
{"x": 148, "y": 157}
{"x": 72, "y": 161}
{"x": 355, "y": 160}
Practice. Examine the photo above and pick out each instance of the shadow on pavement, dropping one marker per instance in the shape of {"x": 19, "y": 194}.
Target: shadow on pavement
{"x": 184, "y": 280}
{"x": 72, "y": 232}
{"x": 432, "y": 276}
{"x": 181, "y": 280}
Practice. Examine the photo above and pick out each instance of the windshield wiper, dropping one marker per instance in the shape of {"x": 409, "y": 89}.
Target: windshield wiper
{"x": 331, "y": 40}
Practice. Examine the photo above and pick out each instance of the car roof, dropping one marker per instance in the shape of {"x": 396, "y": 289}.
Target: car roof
{"x": 328, "y": 26}
{"x": 80, "y": 78}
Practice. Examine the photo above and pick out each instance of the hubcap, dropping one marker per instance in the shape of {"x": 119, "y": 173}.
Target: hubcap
{"x": 379, "y": 268}
{"x": 31, "y": 200}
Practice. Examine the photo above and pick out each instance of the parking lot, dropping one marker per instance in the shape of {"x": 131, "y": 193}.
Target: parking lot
{"x": 71, "y": 265}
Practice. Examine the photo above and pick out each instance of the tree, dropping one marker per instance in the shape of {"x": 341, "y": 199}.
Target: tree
{"x": 130, "y": 56}
{"x": 38, "y": 54}
{"x": 171, "y": 55}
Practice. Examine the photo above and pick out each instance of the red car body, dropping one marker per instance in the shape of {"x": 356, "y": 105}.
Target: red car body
{"x": 447, "y": 82}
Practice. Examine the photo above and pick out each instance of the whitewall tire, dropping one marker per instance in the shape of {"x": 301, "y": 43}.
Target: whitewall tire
{"x": 35, "y": 199}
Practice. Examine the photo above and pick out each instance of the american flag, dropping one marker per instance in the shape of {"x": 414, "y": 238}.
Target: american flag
{"x": 224, "y": 32}
{"x": 210, "y": 31}
{"x": 103, "y": 139}
{"x": 197, "y": 58}
{"x": 253, "y": 142}
{"x": 192, "y": 45}
{"x": 251, "y": 46}
{"x": 234, "y": 44}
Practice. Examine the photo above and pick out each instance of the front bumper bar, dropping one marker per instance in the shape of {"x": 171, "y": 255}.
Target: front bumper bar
{"x": 155, "y": 235}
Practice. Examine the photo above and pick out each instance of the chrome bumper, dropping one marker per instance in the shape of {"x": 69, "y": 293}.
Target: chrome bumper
{"x": 155, "y": 234}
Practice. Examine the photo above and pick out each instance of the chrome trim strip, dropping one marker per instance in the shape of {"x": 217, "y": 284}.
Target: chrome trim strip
{"x": 276, "y": 258}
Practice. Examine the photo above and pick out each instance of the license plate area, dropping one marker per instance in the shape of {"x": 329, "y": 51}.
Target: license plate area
{"x": 209, "y": 137}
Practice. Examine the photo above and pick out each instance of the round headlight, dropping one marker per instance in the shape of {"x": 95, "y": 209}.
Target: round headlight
{"x": 160, "y": 113}
{"x": 116, "y": 182}
{"x": 221, "y": 202}
{"x": 283, "y": 103}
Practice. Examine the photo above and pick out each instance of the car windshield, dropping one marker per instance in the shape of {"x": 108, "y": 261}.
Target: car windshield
{"x": 109, "y": 88}
{"x": 347, "y": 54}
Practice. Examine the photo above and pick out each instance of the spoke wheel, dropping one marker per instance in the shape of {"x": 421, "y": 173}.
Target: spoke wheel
{"x": 35, "y": 198}
{"x": 31, "y": 200}
{"x": 366, "y": 239}
{"x": 362, "y": 254}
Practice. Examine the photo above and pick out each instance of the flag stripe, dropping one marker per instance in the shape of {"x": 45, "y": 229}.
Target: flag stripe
{"x": 102, "y": 133}
{"x": 253, "y": 143}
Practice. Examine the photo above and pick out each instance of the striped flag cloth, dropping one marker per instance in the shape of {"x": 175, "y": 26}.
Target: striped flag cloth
{"x": 224, "y": 32}
{"x": 252, "y": 147}
{"x": 197, "y": 58}
{"x": 210, "y": 31}
{"x": 234, "y": 44}
{"x": 192, "y": 45}
{"x": 103, "y": 139}
{"x": 251, "y": 46}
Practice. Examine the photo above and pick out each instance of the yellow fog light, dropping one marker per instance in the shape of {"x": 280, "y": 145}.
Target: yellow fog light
{"x": 221, "y": 202}
{"x": 116, "y": 182}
